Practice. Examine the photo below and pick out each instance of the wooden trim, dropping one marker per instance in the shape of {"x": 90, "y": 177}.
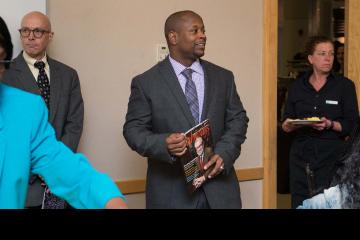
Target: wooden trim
{"x": 270, "y": 41}
{"x": 250, "y": 174}
{"x": 132, "y": 186}
{"x": 138, "y": 186}
{"x": 352, "y": 44}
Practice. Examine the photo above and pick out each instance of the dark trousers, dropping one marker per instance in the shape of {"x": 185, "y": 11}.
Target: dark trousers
{"x": 202, "y": 202}
{"x": 321, "y": 157}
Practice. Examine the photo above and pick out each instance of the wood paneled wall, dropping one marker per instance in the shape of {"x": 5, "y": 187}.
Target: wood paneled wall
{"x": 270, "y": 39}
{"x": 352, "y": 44}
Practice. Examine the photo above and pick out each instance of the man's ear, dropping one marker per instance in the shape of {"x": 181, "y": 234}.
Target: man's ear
{"x": 173, "y": 37}
{"x": 51, "y": 35}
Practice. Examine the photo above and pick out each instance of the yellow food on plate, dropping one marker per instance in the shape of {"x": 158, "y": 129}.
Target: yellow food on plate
{"x": 312, "y": 119}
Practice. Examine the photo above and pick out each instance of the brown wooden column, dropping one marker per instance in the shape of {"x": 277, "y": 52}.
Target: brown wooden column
{"x": 270, "y": 39}
{"x": 352, "y": 42}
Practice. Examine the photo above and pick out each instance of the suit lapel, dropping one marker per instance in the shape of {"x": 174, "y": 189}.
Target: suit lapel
{"x": 25, "y": 77}
{"x": 55, "y": 86}
{"x": 173, "y": 84}
{"x": 209, "y": 89}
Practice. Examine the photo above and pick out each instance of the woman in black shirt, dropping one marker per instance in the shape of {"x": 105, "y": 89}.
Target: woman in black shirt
{"x": 317, "y": 146}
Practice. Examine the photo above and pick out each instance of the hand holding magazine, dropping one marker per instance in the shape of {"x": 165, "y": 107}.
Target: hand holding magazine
{"x": 199, "y": 151}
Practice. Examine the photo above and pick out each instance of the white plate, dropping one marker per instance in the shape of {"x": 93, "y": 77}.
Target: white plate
{"x": 304, "y": 122}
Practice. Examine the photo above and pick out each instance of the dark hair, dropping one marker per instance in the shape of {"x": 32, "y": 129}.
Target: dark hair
{"x": 337, "y": 44}
{"x": 313, "y": 42}
{"x": 337, "y": 65}
{"x": 348, "y": 175}
{"x": 5, "y": 41}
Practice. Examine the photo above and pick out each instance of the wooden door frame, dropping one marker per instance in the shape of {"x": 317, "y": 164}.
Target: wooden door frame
{"x": 270, "y": 40}
{"x": 352, "y": 44}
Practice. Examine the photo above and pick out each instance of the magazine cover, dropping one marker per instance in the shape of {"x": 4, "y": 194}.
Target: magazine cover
{"x": 199, "y": 151}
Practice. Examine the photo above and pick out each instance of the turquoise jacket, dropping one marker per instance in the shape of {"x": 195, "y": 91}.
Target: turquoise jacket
{"x": 28, "y": 144}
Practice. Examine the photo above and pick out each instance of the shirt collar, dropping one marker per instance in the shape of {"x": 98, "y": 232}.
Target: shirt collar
{"x": 31, "y": 61}
{"x": 178, "y": 67}
{"x": 306, "y": 78}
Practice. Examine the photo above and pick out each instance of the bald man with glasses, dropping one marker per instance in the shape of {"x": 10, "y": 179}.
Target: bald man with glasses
{"x": 58, "y": 84}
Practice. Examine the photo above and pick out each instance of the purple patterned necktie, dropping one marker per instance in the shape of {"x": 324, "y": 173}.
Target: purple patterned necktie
{"x": 191, "y": 94}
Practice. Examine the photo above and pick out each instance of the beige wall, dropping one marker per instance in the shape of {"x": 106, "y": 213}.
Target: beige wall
{"x": 111, "y": 41}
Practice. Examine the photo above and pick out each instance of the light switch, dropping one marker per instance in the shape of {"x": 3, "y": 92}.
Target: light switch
{"x": 161, "y": 51}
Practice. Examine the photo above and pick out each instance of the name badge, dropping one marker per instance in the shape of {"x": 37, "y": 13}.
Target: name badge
{"x": 331, "y": 102}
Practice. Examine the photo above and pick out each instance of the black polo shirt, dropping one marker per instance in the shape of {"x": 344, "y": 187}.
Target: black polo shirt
{"x": 336, "y": 101}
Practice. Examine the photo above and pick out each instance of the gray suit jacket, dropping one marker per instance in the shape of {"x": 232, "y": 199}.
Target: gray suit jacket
{"x": 157, "y": 107}
{"x": 66, "y": 113}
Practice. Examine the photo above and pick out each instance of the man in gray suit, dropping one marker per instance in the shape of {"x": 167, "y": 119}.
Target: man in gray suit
{"x": 59, "y": 86}
{"x": 166, "y": 101}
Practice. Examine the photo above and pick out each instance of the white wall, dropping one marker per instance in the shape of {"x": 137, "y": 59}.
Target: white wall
{"x": 12, "y": 11}
{"x": 109, "y": 42}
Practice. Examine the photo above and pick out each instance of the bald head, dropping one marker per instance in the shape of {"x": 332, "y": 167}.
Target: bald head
{"x": 173, "y": 22}
{"x": 199, "y": 146}
{"x": 38, "y": 17}
{"x": 35, "y": 34}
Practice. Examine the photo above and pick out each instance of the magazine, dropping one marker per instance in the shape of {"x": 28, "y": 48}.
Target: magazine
{"x": 199, "y": 151}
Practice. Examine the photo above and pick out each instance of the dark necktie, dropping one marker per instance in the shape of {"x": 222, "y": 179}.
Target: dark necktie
{"x": 43, "y": 82}
{"x": 50, "y": 201}
{"x": 191, "y": 94}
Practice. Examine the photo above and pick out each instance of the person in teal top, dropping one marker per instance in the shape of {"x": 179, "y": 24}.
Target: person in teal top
{"x": 28, "y": 144}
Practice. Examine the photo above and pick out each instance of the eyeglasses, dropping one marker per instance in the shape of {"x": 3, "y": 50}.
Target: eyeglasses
{"x": 37, "y": 32}
{"x": 323, "y": 54}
